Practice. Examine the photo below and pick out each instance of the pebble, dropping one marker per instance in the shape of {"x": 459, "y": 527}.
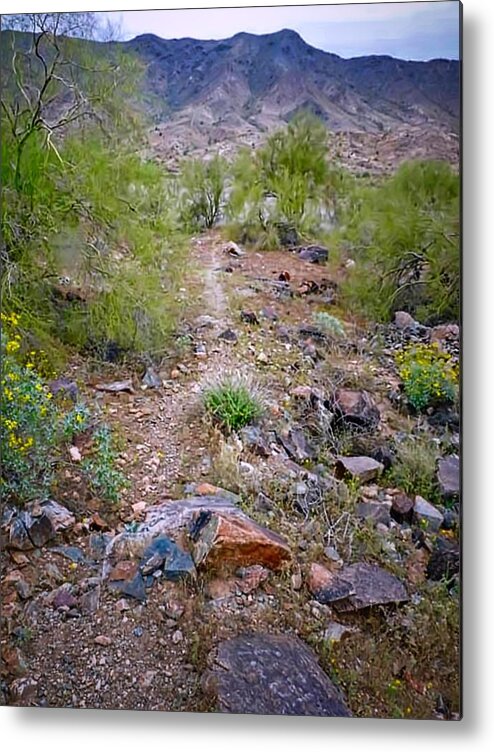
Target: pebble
{"x": 177, "y": 637}
{"x": 103, "y": 640}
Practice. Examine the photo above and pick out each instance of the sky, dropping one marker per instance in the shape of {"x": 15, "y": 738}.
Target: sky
{"x": 412, "y": 31}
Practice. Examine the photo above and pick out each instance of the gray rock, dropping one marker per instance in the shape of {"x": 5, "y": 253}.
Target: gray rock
{"x": 254, "y": 441}
{"x": 448, "y": 475}
{"x": 315, "y": 254}
{"x": 64, "y": 387}
{"x": 444, "y": 561}
{"x": 89, "y": 602}
{"x": 372, "y": 585}
{"x": 151, "y": 379}
{"x": 378, "y": 511}
{"x": 228, "y": 336}
{"x": 271, "y": 675}
{"x": 363, "y": 469}
{"x": 70, "y": 552}
{"x": 426, "y": 513}
{"x": 355, "y": 409}
{"x": 403, "y": 320}
{"x": 296, "y": 445}
{"x": 134, "y": 588}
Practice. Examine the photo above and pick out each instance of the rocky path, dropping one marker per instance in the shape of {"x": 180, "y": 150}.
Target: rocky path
{"x": 309, "y": 569}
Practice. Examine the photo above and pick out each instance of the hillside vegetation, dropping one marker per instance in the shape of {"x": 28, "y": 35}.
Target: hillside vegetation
{"x": 229, "y": 393}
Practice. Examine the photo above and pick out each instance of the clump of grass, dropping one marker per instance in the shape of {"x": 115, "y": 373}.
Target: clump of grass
{"x": 329, "y": 324}
{"x": 414, "y": 469}
{"x": 233, "y": 402}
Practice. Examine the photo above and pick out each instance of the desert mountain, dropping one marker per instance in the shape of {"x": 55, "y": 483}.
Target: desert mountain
{"x": 262, "y": 80}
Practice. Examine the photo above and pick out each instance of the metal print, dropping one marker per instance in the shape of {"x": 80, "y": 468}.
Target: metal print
{"x": 230, "y": 428}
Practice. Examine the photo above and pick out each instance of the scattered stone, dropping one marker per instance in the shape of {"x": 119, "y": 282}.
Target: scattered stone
{"x": 123, "y": 570}
{"x": 383, "y": 455}
{"x": 426, "y": 513}
{"x": 378, "y": 511}
{"x": 263, "y": 503}
{"x": 59, "y": 516}
{"x": 315, "y": 254}
{"x": 63, "y": 597}
{"x": 270, "y": 675}
{"x": 444, "y": 561}
{"x": 177, "y": 637}
{"x": 116, "y": 386}
{"x": 239, "y": 541}
{"x": 23, "y": 692}
{"x": 173, "y": 608}
{"x": 448, "y": 476}
{"x": 103, "y": 640}
{"x": 269, "y": 313}
{"x": 254, "y": 441}
{"x": 89, "y": 602}
{"x": 249, "y": 317}
{"x": 296, "y": 445}
{"x": 262, "y": 358}
{"x": 228, "y": 336}
{"x": 133, "y": 587}
{"x": 251, "y": 577}
{"x": 73, "y": 553}
{"x": 40, "y": 530}
{"x": 296, "y": 581}
{"x": 122, "y": 605}
{"x": 332, "y": 554}
{"x": 372, "y": 586}
{"x": 75, "y": 454}
{"x": 356, "y": 408}
{"x": 200, "y": 350}
{"x": 151, "y": 379}
{"x": 403, "y": 320}
{"x": 444, "y": 332}
{"x": 335, "y": 631}
{"x": 327, "y": 587}
{"x": 363, "y": 469}
{"x": 401, "y": 507}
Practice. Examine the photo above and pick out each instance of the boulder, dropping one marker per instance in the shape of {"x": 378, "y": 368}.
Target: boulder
{"x": 377, "y": 511}
{"x": 363, "y": 469}
{"x": 356, "y": 408}
{"x": 445, "y": 332}
{"x": 37, "y": 524}
{"x": 401, "y": 507}
{"x": 372, "y": 586}
{"x": 254, "y": 441}
{"x": 427, "y": 514}
{"x": 228, "y": 336}
{"x": 233, "y": 541}
{"x": 444, "y": 561}
{"x": 270, "y": 675}
{"x": 448, "y": 475}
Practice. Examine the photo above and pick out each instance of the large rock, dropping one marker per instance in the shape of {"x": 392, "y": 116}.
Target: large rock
{"x": 448, "y": 475}
{"x": 444, "y": 561}
{"x": 271, "y": 675}
{"x": 372, "y": 586}
{"x": 296, "y": 445}
{"x": 363, "y": 469}
{"x": 37, "y": 524}
{"x": 229, "y": 540}
{"x": 427, "y": 514}
{"x": 327, "y": 587}
{"x": 403, "y": 320}
{"x": 355, "y": 408}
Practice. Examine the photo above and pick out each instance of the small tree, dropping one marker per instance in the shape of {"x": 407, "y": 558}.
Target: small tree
{"x": 203, "y": 185}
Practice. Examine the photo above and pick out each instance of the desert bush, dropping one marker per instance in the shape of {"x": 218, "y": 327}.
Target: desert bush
{"x": 429, "y": 375}
{"x": 203, "y": 185}
{"x": 404, "y": 236}
{"x": 35, "y": 428}
{"x": 104, "y": 479}
{"x": 287, "y": 181}
{"x": 233, "y": 402}
{"x": 414, "y": 467}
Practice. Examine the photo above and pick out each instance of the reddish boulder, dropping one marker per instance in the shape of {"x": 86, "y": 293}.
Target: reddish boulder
{"x": 356, "y": 408}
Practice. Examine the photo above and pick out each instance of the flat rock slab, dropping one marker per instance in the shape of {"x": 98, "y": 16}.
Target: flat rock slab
{"x": 363, "y": 469}
{"x": 448, "y": 475}
{"x": 427, "y": 514}
{"x": 372, "y": 586}
{"x": 271, "y": 675}
{"x": 227, "y": 540}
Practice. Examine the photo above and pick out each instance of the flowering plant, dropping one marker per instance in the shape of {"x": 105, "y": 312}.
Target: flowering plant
{"x": 429, "y": 375}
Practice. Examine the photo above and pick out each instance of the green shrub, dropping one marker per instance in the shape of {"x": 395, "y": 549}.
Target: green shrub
{"x": 403, "y": 234}
{"x": 287, "y": 181}
{"x": 203, "y": 185}
{"x": 414, "y": 467}
{"x": 428, "y": 374}
{"x": 233, "y": 402}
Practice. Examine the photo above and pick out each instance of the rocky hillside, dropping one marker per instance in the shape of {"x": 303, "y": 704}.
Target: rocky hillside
{"x": 264, "y": 80}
